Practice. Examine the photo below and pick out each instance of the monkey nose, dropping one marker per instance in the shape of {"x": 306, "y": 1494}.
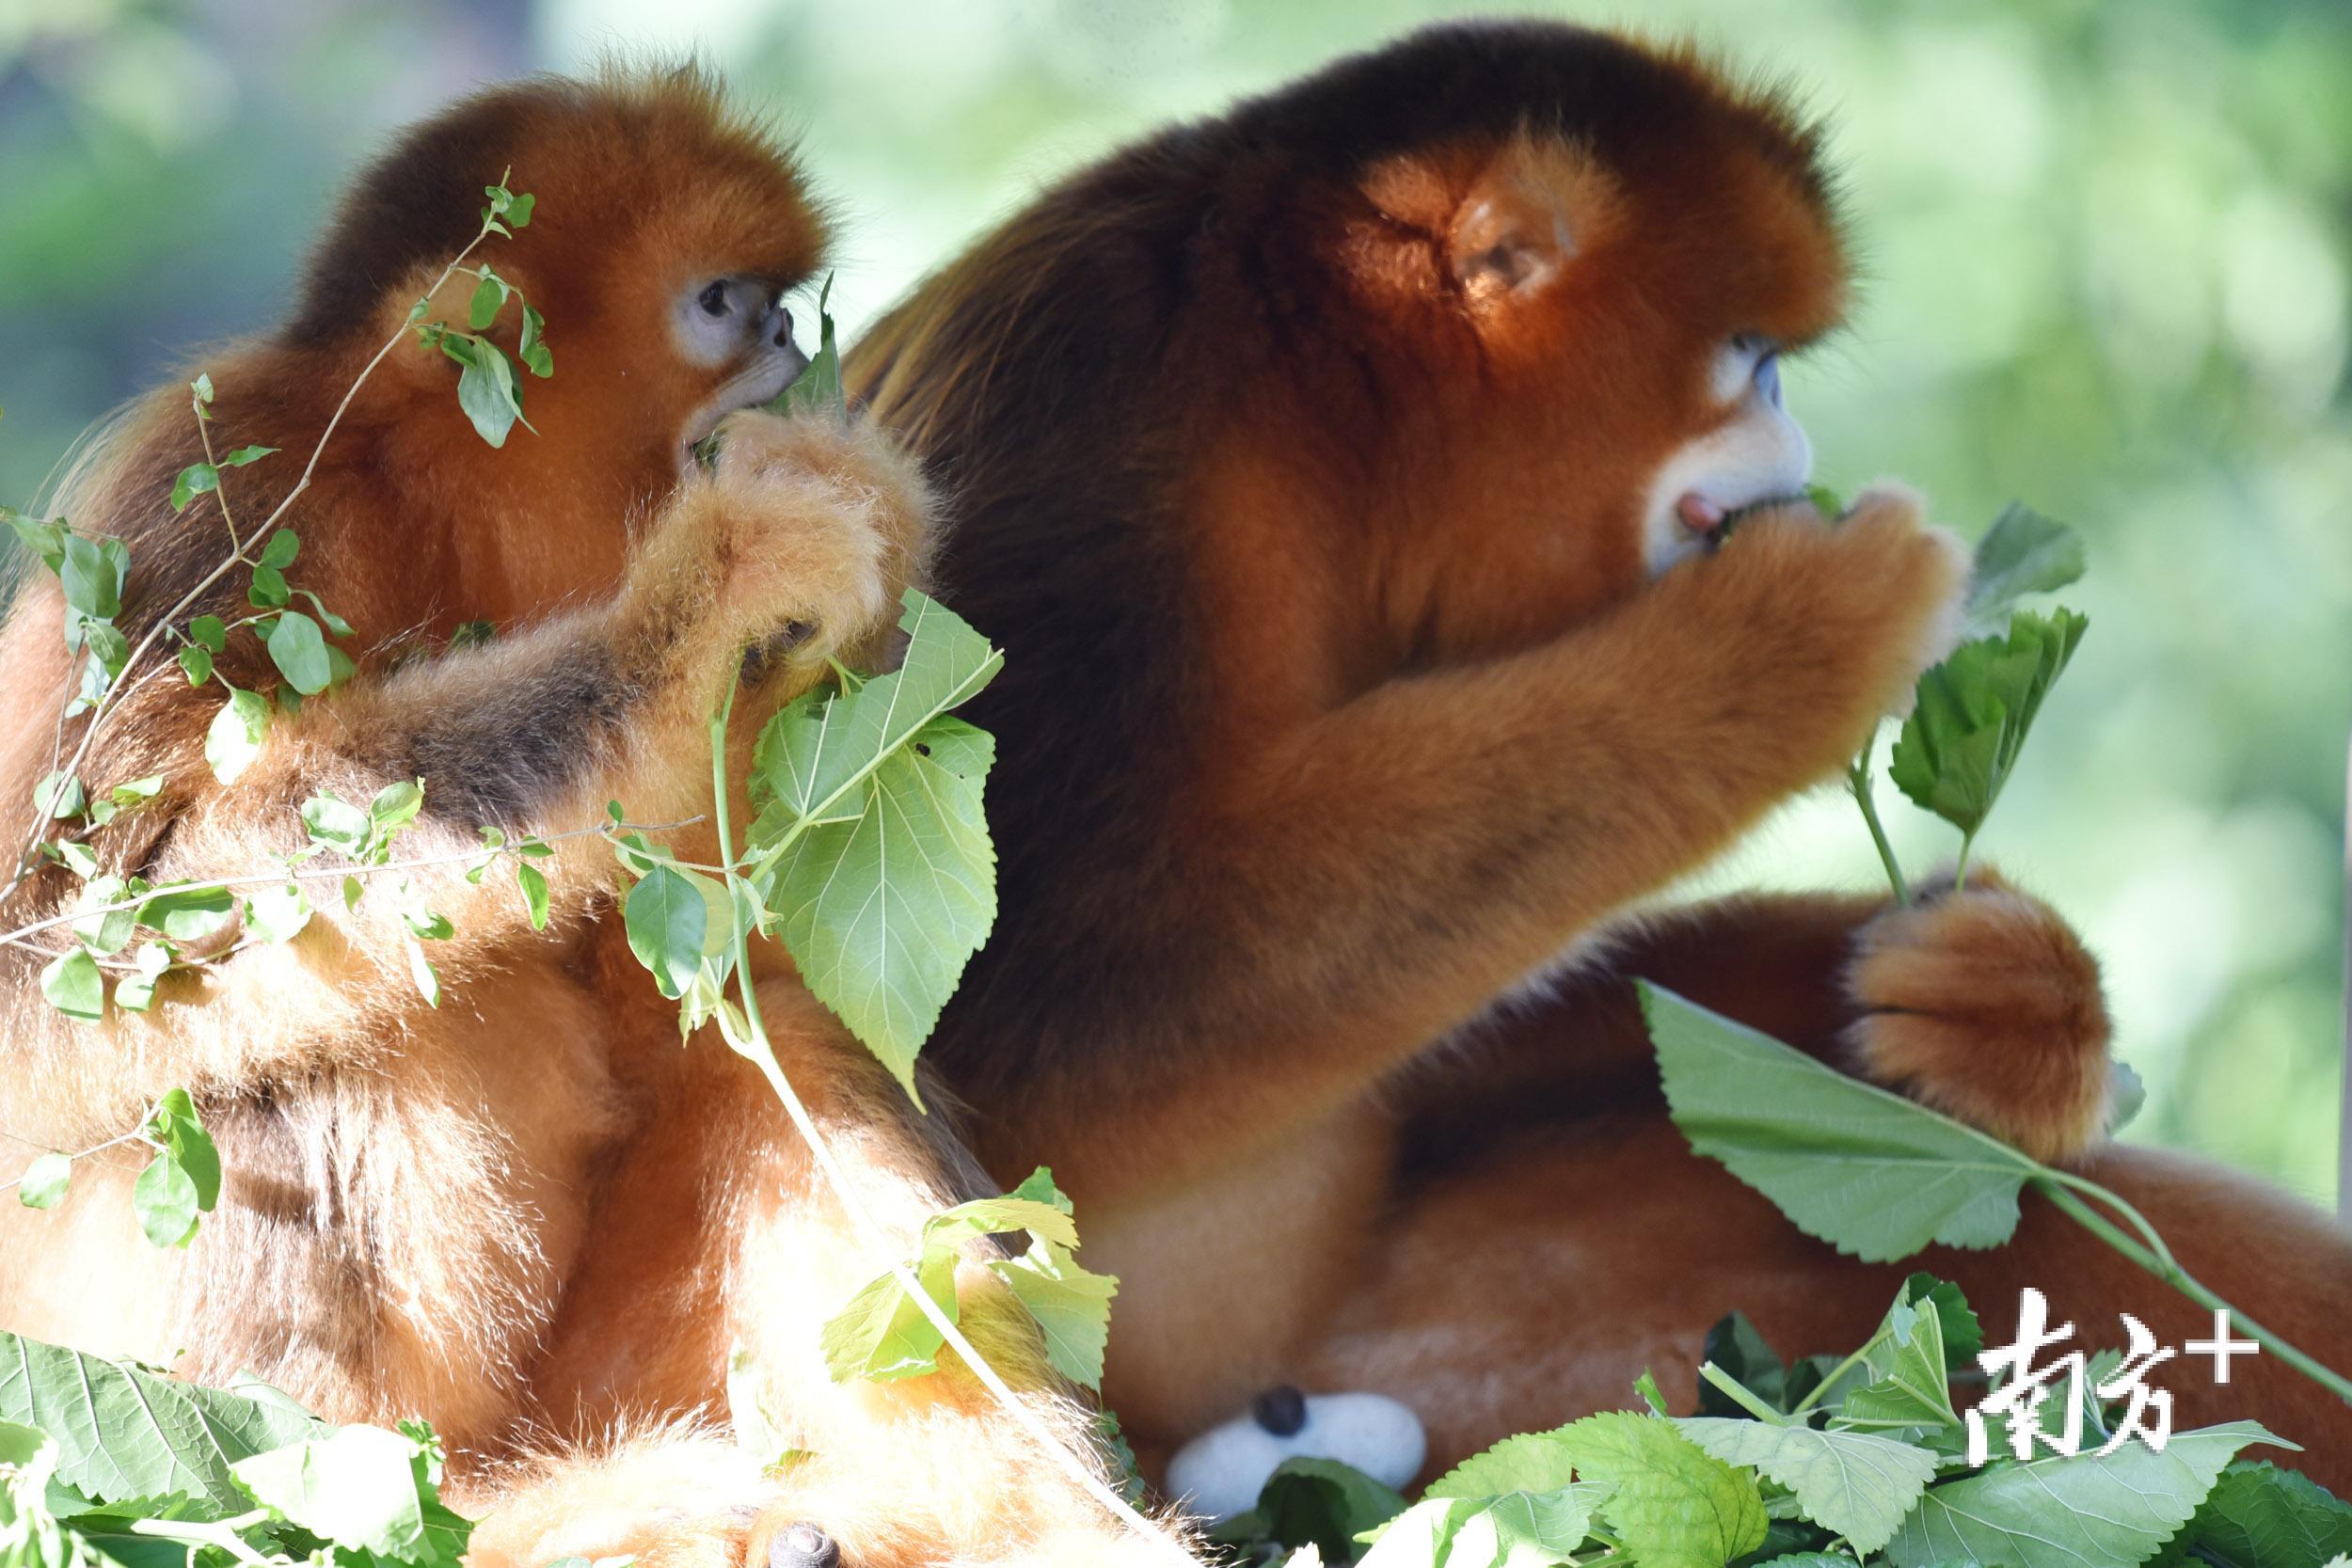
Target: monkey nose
{"x": 778, "y": 327}
{"x": 1698, "y": 513}
{"x": 803, "y": 1546}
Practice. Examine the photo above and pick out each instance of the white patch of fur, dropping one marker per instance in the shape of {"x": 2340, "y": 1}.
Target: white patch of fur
{"x": 1758, "y": 454}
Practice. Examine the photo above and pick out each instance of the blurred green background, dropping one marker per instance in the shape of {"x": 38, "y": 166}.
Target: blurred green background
{"x": 2107, "y": 249}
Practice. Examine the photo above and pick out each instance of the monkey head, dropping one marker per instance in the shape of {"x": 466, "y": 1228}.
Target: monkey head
{"x": 1538, "y": 282}
{"x": 665, "y": 234}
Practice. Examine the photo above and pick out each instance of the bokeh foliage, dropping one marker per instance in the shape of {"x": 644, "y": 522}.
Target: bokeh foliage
{"x": 2107, "y": 249}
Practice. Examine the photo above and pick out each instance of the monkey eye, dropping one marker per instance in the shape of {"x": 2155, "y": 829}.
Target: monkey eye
{"x": 714, "y": 300}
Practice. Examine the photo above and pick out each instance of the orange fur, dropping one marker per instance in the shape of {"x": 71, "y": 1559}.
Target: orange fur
{"x": 1302, "y": 460}
{"x": 527, "y": 1215}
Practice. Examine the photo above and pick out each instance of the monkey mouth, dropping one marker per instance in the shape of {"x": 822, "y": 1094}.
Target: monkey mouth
{"x": 762, "y": 383}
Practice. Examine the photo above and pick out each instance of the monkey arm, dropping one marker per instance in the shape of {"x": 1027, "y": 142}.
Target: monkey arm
{"x": 1376, "y": 876}
{"x": 533, "y": 735}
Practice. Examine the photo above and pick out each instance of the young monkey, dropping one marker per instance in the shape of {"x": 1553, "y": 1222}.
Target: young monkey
{"x": 525, "y": 1213}
{"x": 1352, "y": 481}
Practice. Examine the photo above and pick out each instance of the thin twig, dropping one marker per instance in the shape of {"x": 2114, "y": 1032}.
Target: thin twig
{"x": 763, "y": 1056}
{"x": 110, "y": 700}
{"x": 265, "y": 878}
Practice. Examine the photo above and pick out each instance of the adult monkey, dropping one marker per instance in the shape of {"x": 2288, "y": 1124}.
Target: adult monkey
{"x": 1342, "y": 476}
{"x": 527, "y": 1215}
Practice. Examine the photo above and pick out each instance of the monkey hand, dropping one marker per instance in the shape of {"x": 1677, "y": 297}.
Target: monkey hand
{"x": 1890, "y": 588}
{"x": 1984, "y": 1004}
{"x": 869, "y": 487}
{"x": 796, "y": 547}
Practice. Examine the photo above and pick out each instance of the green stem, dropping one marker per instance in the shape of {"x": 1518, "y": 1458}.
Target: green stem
{"x": 2159, "y": 1261}
{"x": 1960, "y": 869}
{"x": 1830, "y": 1382}
{"x": 1741, "y": 1394}
{"x": 761, "y": 1053}
{"x": 1858, "y": 781}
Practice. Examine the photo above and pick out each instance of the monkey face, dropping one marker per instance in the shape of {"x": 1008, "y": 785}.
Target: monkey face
{"x": 665, "y": 232}
{"x": 738, "y": 326}
{"x": 1588, "y": 321}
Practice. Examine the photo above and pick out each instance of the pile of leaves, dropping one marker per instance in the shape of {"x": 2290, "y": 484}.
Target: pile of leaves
{"x": 107, "y": 1461}
{"x": 1829, "y": 1461}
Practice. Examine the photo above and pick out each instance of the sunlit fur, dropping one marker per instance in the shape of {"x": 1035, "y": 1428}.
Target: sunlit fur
{"x": 528, "y": 1215}
{"x": 1303, "y": 459}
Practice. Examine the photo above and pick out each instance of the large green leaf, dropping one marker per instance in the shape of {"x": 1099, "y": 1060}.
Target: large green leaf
{"x": 364, "y": 1488}
{"x": 123, "y": 1432}
{"x": 2260, "y": 1516}
{"x": 882, "y": 1334}
{"x": 1853, "y": 1482}
{"x": 1974, "y": 711}
{"x": 1071, "y": 1304}
{"x": 2023, "y": 553}
{"x": 872, "y": 847}
{"x": 1673, "y": 1504}
{"x": 2079, "y": 1511}
{"x": 1869, "y": 1172}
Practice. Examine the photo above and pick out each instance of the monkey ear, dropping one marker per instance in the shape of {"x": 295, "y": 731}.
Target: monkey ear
{"x": 1511, "y": 233}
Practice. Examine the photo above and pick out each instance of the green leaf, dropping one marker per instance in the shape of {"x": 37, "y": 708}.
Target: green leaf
{"x": 1673, "y": 1504}
{"x": 338, "y": 824}
{"x": 45, "y": 539}
{"x": 1069, "y": 1304}
{"x": 188, "y": 913}
{"x": 197, "y": 478}
{"x": 44, "y": 1183}
{"x": 244, "y": 455}
{"x": 1531, "y": 1461}
{"x": 234, "y": 738}
{"x": 394, "y": 807}
{"x": 209, "y": 632}
{"x": 92, "y": 577}
{"x": 2024, "y": 553}
{"x": 489, "y": 298}
{"x": 666, "y": 916}
{"x": 178, "y": 1127}
{"x": 2260, "y": 1516}
{"x": 1513, "y": 1504}
{"x": 1974, "y": 711}
{"x": 136, "y": 992}
{"x": 818, "y": 388}
{"x": 873, "y": 844}
{"x": 426, "y": 979}
{"x": 533, "y": 883}
{"x": 1855, "y": 1484}
{"x": 883, "y": 1334}
{"x": 59, "y": 795}
{"x": 277, "y": 914}
{"x": 359, "y": 1487}
{"x": 124, "y": 1432}
{"x": 488, "y": 392}
{"x": 1874, "y": 1175}
{"x": 268, "y": 590}
{"x": 106, "y": 934}
{"x": 1963, "y": 1336}
{"x": 1908, "y": 1370}
{"x": 164, "y": 1199}
{"x": 283, "y": 548}
{"x": 534, "y": 351}
{"x": 1325, "y": 1504}
{"x": 198, "y": 662}
{"x": 299, "y": 652}
{"x": 72, "y": 983}
{"x": 2082, "y": 1511}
